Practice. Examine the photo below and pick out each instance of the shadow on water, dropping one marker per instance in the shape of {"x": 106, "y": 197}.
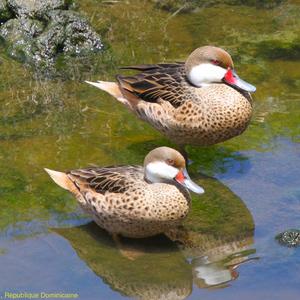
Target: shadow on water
{"x": 208, "y": 160}
{"x": 201, "y": 252}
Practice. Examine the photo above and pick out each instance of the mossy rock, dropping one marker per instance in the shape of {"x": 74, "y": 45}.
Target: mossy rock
{"x": 39, "y": 32}
{"x": 33, "y": 8}
{"x": 17, "y": 34}
{"x": 289, "y": 238}
{"x": 5, "y": 12}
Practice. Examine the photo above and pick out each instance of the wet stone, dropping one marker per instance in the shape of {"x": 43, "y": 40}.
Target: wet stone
{"x": 289, "y": 238}
{"x": 38, "y": 32}
{"x": 5, "y": 12}
{"x": 18, "y": 34}
{"x": 33, "y": 8}
{"x": 81, "y": 39}
{"x": 78, "y": 37}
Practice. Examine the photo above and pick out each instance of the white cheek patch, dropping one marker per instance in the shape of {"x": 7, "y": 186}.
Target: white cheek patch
{"x": 158, "y": 171}
{"x": 204, "y": 74}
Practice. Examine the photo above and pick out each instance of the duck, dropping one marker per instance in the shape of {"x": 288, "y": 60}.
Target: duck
{"x": 201, "y": 101}
{"x": 134, "y": 201}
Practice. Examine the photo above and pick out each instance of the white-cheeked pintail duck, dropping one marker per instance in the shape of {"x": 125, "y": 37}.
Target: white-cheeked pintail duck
{"x": 199, "y": 102}
{"x": 134, "y": 201}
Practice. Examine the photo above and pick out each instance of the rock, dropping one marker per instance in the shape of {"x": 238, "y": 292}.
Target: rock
{"x": 18, "y": 34}
{"x": 5, "y": 12}
{"x": 81, "y": 39}
{"x": 49, "y": 44}
{"x": 289, "y": 238}
{"x": 43, "y": 30}
{"x": 34, "y": 8}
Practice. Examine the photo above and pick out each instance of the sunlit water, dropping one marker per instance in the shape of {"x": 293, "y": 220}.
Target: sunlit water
{"x": 227, "y": 250}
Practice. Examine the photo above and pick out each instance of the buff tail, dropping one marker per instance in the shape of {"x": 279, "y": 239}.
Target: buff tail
{"x": 114, "y": 89}
{"x": 111, "y": 88}
{"x": 63, "y": 180}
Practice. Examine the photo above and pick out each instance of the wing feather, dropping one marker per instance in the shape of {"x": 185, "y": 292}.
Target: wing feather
{"x": 107, "y": 179}
{"x": 157, "y": 82}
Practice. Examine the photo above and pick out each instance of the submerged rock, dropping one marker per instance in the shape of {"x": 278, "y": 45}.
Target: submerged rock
{"x": 37, "y": 32}
{"x": 289, "y": 238}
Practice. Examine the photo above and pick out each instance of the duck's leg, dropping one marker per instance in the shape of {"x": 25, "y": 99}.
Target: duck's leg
{"x": 128, "y": 252}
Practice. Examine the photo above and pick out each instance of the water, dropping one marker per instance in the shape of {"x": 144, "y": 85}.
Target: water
{"x": 252, "y": 182}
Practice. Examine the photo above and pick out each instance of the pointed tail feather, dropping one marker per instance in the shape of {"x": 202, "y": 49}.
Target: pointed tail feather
{"x": 63, "y": 180}
{"x": 111, "y": 88}
{"x": 114, "y": 90}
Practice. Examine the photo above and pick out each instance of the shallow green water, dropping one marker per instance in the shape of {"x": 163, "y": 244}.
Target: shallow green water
{"x": 61, "y": 124}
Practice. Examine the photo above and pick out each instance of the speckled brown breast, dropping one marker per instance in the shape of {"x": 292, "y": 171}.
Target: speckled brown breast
{"x": 209, "y": 115}
{"x": 139, "y": 212}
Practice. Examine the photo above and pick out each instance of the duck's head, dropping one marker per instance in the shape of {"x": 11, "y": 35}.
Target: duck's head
{"x": 165, "y": 164}
{"x": 208, "y": 64}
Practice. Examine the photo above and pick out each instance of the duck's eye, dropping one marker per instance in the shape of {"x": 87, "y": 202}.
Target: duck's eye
{"x": 170, "y": 162}
{"x": 215, "y": 61}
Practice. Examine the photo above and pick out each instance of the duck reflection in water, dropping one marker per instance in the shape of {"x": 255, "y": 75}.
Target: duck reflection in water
{"x": 202, "y": 251}
{"x": 218, "y": 269}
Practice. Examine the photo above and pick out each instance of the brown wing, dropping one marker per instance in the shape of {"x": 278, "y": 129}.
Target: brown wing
{"x": 107, "y": 179}
{"x": 163, "y": 81}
